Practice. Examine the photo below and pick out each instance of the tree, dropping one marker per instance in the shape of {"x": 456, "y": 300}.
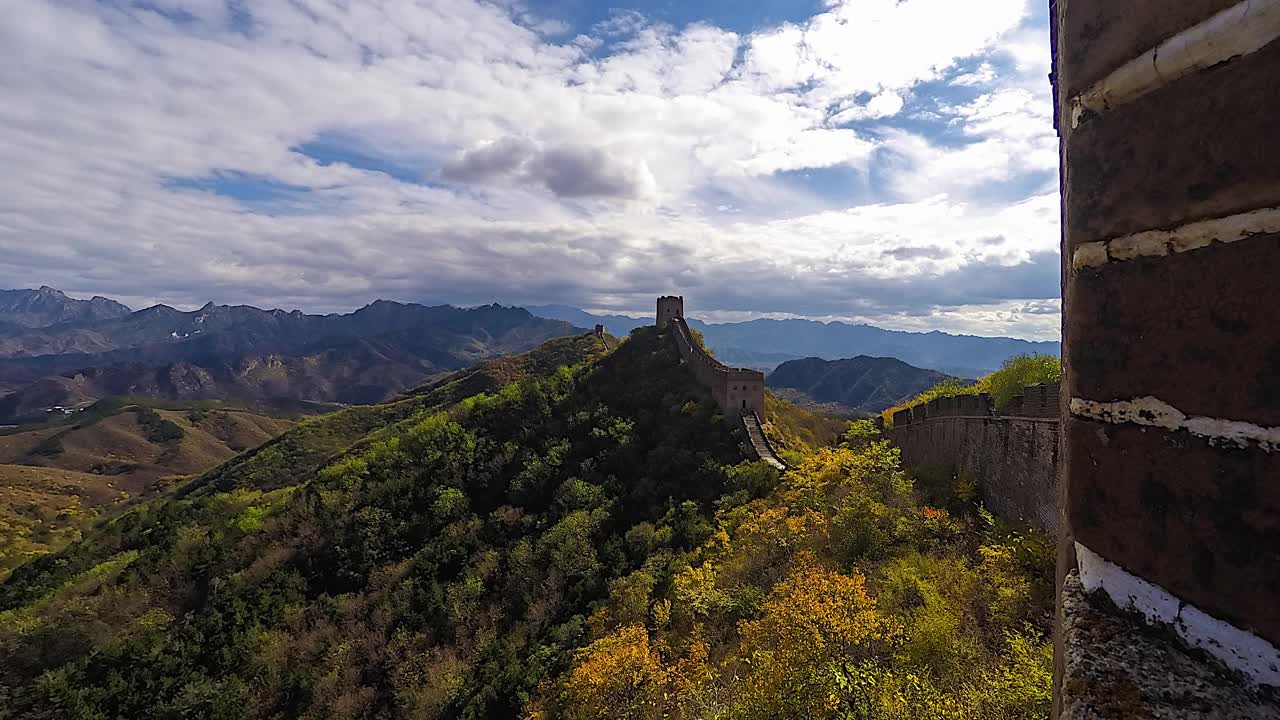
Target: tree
{"x": 617, "y": 676}
{"x": 813, "y": 624}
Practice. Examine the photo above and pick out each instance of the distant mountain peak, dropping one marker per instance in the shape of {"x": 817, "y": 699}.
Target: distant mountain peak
{"x": 764, "y": 342}
{"x": 865, "y": 383}
{"x": 48, "y": 306}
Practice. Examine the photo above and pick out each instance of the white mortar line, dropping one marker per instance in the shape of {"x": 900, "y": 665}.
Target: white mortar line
{"x": 1154, "y": 412}
{"x": 1238, "y": 649}
{"x": 1239, "y": 30}
{"x": 1192, "y": 236}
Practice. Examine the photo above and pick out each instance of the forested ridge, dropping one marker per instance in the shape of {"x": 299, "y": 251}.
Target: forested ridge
{"x": 584, "y": 542}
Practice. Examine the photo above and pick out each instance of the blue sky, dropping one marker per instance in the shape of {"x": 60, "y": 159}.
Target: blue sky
{"x": 733, "y": 15}
{"x": 882, "y": 161}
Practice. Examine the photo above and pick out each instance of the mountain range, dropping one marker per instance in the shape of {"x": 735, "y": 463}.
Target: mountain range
{"x": 765, "y": 344}
{"x": 862, "y": 383}
{"x": 47, "y": 306}
{"x": 60, "y": 354}
{"x": 242, "y": 354}
{"x": 575, "y": 534}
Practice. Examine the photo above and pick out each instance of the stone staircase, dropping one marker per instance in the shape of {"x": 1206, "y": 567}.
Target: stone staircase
{"x": 764, "y": 449}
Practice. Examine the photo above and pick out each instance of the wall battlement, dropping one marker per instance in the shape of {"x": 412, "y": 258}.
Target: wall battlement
{"x": 670, "y": 307}
{"x": 1170, "y": 188}
{"x": 736, "y": 390}
{"x": 1036, "y": 401}
{"x": 1011, "y": 454}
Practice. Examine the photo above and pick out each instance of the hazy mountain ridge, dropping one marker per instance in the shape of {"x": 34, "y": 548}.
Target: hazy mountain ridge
{"x": 46, "y": 306}
{"x": 251, "y": 356}
{"x": 764, "y": 343}
{"x": 870, "y": 384}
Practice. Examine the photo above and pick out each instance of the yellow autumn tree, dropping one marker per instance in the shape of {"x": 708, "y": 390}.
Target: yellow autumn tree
{"x": 767, "y": 539}
{"x": 617, "y": 676}
{"x": 814, "y": 623}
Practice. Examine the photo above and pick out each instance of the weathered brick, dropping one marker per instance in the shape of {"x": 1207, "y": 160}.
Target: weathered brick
{"x": 1184, "y": 328}
{"x": 1106, "y": 34}
{"x": 1201, "y": 521}
{"x": 1193, "y": 149}
{"x": 1013, "y": 461}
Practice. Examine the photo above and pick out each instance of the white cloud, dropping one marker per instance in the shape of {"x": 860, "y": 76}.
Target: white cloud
{"x": 886, "y": 104}
{"x": 868, "y": 46}
{"x": 984, "y": 74}
{"x": 557, "y": 168}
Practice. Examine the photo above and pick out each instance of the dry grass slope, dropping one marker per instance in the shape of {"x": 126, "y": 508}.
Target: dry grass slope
{"x": 56, "y": 480}
{"x": 43, "y": 509}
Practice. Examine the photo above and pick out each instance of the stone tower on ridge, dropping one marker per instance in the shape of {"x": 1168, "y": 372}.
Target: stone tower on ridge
{"x": 669, "y": 306}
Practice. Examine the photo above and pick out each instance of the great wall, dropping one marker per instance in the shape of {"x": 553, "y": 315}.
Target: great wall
{"x": 738, "y": 392}
{"x": 1011, "y": 454}
{"x": 1014, "y": 456}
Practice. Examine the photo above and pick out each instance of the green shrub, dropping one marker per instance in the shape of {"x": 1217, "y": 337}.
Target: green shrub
{"x": 158, "y": 429}
{"x": 1003, "y": 385}
{"x": 1018, "y": 372}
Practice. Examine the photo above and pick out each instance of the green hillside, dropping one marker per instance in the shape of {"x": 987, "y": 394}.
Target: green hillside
{"x": 584, "y": 542}
{"x": 496, "y": 524}
{"x": 294, "y": 456}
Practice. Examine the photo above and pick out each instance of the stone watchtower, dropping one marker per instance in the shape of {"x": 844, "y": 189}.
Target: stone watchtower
{"x": 670, "y": 306}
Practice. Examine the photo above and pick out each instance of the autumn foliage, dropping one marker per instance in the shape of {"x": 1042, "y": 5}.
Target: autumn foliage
{"x": 838, "y": 595}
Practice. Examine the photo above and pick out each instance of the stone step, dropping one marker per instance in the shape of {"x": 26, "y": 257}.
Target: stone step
{"x": 760, "y": 443}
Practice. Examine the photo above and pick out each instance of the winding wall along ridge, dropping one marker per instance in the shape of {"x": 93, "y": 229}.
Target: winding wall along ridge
{"x": 739, "y": 392}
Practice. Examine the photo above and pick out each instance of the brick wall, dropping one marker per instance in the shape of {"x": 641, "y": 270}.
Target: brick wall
{"x": 734, "y": 389}
{"x": 1011, "y": 455}
{"x": 1169, "y": 114}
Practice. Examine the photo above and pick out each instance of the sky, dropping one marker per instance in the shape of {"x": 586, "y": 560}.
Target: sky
{"x": 882, "y": 161}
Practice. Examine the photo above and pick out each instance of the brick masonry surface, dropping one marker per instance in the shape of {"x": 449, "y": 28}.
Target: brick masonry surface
{"x": 1012, "y": 456}
{"x": 1195, "y": 330}
{"x": 1187, "y": 504}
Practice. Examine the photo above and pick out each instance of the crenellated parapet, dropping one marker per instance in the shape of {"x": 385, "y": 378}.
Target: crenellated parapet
{"x": 1039, "y": 401}
{"x": 736, "y": 390}
{"x": 1011, "y": 453}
